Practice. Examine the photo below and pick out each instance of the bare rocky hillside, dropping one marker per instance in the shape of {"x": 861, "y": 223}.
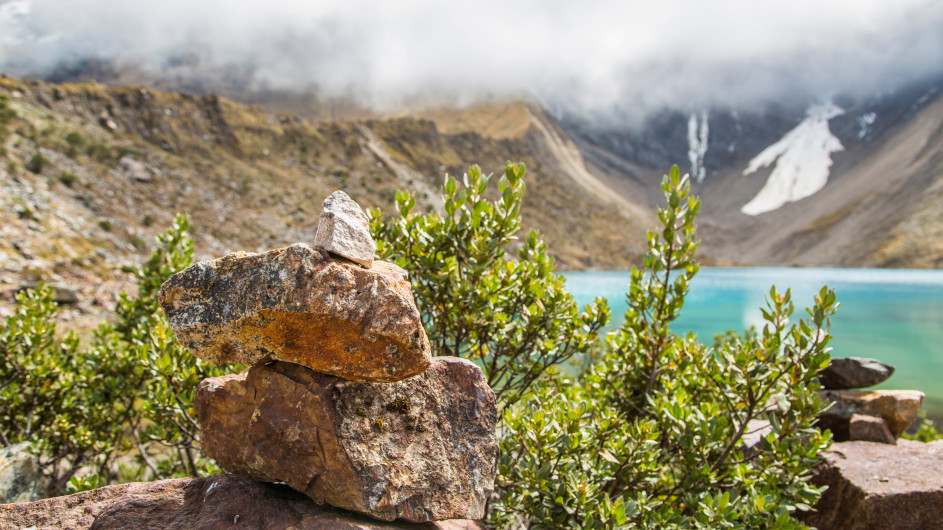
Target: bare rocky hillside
{"x": 90, "y": 174}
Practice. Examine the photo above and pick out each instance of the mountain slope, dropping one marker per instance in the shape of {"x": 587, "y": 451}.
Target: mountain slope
{"x": 89, "y": 174}
{"x": 856, "y": 183}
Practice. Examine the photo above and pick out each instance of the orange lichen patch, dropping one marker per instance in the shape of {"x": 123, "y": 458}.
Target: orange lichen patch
{"x": 335, "y": 346}
{"x": 299, "y": 305}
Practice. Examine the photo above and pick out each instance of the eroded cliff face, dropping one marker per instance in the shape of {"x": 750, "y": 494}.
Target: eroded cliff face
{"x": 90, "y": 174}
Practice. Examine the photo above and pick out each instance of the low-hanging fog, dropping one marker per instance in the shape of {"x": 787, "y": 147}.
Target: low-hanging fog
{"x": 587, "y": 55}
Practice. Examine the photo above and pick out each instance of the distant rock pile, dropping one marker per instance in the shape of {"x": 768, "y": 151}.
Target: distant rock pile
{"x": 342, "y": 401}
{"x": 865, "y": 415}
{"x": 874, "y": 480}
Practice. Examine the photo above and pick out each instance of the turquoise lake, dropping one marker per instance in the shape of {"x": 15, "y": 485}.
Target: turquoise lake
{"x": 892, "y": 315}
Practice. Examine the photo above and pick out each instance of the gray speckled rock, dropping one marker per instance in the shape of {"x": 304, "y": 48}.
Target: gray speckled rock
{"x": 20, "y": 477}
{"x": 421, "y": 449}
{"x": 854, "y": 372}
{"x": 299, "y": 305}
{"x": 344, "y": 229}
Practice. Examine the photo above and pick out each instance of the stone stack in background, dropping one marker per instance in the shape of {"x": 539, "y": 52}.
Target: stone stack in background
{"x": 865, "y": 415}
{"x": 342, "y": 401}
{"x": 873, "y": 480}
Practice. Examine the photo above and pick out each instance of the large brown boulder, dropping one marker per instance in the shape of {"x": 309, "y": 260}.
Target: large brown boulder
{"x": 299, "y": 305}
{"x": 420, "y": 449}
{"x": 899, "y": 408}
{"x": 874, "y": 486}
{"x": 224, "y": 501}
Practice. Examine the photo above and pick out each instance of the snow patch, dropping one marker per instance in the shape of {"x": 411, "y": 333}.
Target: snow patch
{"x": 697, "y": 145}
{"x": 865, "y": 121}
{"x": 803, "y": 158}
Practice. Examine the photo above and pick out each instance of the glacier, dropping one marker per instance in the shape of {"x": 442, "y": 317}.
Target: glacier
{"x": 803, "y": 159}
{"x": 697, "y": 145}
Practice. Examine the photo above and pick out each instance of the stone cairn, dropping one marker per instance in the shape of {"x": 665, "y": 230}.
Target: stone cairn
{"x": 865, "y": 415}
{"x": 342, "y": 400}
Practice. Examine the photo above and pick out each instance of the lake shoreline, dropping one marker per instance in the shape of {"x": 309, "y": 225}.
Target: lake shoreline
{"x": 894, "y": 315}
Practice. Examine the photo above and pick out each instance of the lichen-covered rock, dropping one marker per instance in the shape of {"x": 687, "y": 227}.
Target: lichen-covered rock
{"x": 899, "y": 408}
{"x": 422, "y": 449}
{"x": 223, "y": 501}
{"x": 344, "y": 229}
{"x": 854, "y": 372}
{"x": 873, "y": 486}
{"x": 299, "y": 305}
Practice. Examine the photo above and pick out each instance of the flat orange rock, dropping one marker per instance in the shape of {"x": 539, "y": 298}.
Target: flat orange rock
{"x": 300, "y": 305}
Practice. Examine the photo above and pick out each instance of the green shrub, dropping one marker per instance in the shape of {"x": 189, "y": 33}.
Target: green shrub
{"x": 927, "y": 431}
{"x": 55, "y": 395}
{"x": 654, "y": 436}
{"x": 37, "y": 163}
{"x": 171, "y": 372}
{"x": 513, "y": 317}
{"x": 101, "y": 153}
{"x": 7, "y": 115}
{"x": 75, "y": 139}
{"x": 86, "y": 483}
{"x": 131, "y": 390}
{"x": 67, "y": 178}
{"x": 75, "y": 142}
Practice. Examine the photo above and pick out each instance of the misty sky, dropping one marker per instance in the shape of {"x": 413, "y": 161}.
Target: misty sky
{"x": 590, "y": 54}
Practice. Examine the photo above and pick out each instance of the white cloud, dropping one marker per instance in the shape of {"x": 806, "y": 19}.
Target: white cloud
{"x": 591, "y": 53}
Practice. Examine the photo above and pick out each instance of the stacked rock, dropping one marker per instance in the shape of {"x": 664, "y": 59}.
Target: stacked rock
{"x": 865, "y": 415}
{"x": 342, "y": 400}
